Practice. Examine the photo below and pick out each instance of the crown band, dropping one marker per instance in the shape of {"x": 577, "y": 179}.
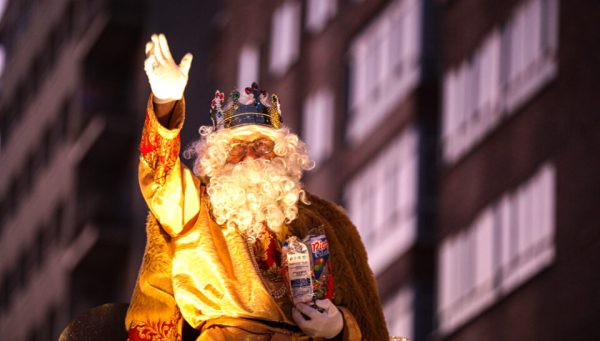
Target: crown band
{"x": 248, "y": 118}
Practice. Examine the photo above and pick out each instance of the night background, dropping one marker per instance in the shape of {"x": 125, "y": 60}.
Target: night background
{"x": 461, "y": 136}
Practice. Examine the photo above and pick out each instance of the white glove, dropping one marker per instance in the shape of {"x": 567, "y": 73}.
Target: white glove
{"x": 166, "y": 78}
{"x": 327, "y": 324}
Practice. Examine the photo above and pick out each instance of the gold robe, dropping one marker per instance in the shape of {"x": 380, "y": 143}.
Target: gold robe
{"x": 206, "y": 273}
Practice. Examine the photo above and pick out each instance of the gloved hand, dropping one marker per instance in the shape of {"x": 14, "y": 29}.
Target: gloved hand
{"x": 167, "y": 79}
{"x": 327, "y": 324}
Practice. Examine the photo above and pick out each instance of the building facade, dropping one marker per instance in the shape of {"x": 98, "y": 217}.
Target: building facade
{"x": 62, "y": 232}
{"x": 518, "y": 176}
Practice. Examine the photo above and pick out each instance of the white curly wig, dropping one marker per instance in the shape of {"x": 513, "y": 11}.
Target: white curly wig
{"x": 251, "y": 193}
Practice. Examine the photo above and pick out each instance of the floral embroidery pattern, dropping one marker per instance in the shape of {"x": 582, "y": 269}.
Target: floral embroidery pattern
{"x": 159, "y": 152}
{"x": 156, "y": 331}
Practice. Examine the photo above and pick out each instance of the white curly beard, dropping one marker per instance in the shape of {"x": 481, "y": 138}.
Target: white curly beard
{"x": 255, "y": 192}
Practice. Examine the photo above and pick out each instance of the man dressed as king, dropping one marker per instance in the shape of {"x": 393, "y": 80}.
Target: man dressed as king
{"x": 218, "y": 234}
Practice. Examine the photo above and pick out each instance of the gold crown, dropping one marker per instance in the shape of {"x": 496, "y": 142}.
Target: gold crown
{"x": 250, "y": 108}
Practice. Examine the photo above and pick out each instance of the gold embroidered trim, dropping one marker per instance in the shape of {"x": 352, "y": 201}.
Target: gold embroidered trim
{"x": 155, "y": 330}
{"x": 158, "y": 151}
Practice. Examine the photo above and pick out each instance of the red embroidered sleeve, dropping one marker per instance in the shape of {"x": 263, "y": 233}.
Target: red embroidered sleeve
{"x": 155, "y": 331}
{"x": 159, "y": 147}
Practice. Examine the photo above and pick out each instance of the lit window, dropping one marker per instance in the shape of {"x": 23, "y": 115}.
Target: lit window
{"x": 317, "y": 128}
{"x": 382, "y": 199}
{"x": 248, "y": 66}
{"x": 318, "y": 13}
{"x": 508, "y": 243}
{"x": 511, "y": 65}
{"x": 285, "y": 37}
{"x": 384, "y": 66}
{"x": 399, "y": 313}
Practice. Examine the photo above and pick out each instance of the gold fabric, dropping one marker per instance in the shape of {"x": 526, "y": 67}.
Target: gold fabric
{"x": 152, "y": 303}
{"x": 213, "y": 272}
{"x": 159, "y": 146}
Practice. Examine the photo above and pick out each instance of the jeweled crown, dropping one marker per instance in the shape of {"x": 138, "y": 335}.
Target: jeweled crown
{"x": 251, "y": 107}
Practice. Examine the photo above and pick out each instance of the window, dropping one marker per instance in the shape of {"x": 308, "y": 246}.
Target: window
{"x": 20, "y": 101}
{"x": 317, "y": 124}
{"x": 13, "y": 197}
{"x": 65, "y": 115}
{"x": 388, "y": 228}
{"x": 29, "y": 174}
{"x": 8, "y": 38}
{"x": 47, "y": 148}
{"x": 3, "y": 130}
{"x": 2, "y": 59}
{"x": 318, "y": 13}
{"x": 384, "y": 66}
{"x": 36, "y": 74}
{"x": 399, "y": 314}
{"x": 3, "y": 213}
{"x": 58, "y": 222}
{"x": 11, "y": 286}
{"x": 510, "y": 66}
{"x": 4, "y": 294}
{"x": 285, "y": 37}
{"x": 53, "y": 47}
{"x": 248, "y": 66}
{"x": 24, "y": 269}
{"x": 42, "y": 242}
{"x": 508, "y": 243}
{"x": 2, "y": 7}
{"x": 69, "y": 20}
{"x": 532, "y": 42}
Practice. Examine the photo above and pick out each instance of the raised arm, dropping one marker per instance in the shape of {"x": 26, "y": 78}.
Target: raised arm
{"x": 169, "y": 188}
